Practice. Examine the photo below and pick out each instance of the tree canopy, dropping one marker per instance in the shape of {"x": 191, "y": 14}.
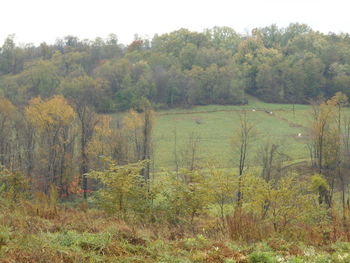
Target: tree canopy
{"x": 181, "y": 68}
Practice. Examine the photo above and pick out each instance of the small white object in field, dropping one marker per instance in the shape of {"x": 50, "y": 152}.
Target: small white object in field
{"x": 253, "y": 109}
{"x": 299, "y": 134}
{"x": 270, "y": 112}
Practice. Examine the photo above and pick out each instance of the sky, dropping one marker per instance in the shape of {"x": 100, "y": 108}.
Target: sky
{"x": 36, "y": 21}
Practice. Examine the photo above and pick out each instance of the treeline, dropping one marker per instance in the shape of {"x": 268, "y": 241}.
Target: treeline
{"x": 181, "y": 68}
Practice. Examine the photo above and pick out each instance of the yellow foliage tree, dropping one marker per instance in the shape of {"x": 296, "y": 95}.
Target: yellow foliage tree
{"x": 7, "y": 116}
{"x": 286, "y": 204}
{"x": 51, "y": 115}
{"x": 326, "y": 133}
{"x": 223, "y": 187}
{"x": 53, "y": 121}
{"x": 101, "y": 144}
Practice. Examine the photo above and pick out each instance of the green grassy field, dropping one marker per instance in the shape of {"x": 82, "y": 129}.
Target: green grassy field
{"x": 216, "y": 125}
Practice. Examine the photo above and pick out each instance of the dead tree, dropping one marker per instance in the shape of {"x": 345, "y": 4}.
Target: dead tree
{"x": 242, "y": 142}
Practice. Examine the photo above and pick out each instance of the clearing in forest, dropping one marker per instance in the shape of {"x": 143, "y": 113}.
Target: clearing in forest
{"x": 214, "y": 126}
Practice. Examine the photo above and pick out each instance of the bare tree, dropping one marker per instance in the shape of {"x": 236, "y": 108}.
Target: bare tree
{"x": 147, "y": 141}
{"x": 271, "y": 159}
{"x": 344, "y": 180}
{"x": 176, "y": 159}
{"x": 322, "y": 116}
{"x": 242, "y": 143}
{"x": 83, "y": 91}
{"x": 326, "y": 146}
{"x": 189, "y": 153}
{"x": 341, "y": 101}
{"x": 88, "y": 120}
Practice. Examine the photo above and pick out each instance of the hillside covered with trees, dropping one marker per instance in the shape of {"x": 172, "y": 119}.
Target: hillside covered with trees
{"x": 181, "y": 68}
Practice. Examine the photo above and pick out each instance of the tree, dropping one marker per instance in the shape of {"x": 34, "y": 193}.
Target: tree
{"x": 326, "y": 142}
{"x": 246, "y": 57}
{"x": 314, "y": 79}
{"x": 11, "y": 57}
{"x": 40, "y": 78}
{"x": 222, "y": 187}
{"x": 147, "y": 140}
{"x": 205, "y": 57}
{"x": 268, "y": 79}
{"x": 7, "y": 125}
{"x": 188, "y": 56}
{"x": 323, "y": 114}
{"x": 82, "y": 91}
{"x": 12, "y": 184}
{"x": 241, "y": 143}
{"x": 186, "y": 195}
{"x": 341, "y": 101}
{"x": 189, "y": 152}
{"x": 133, "y": 124}
{"x": 285, "y": 203}
{"x": 271, "y": 159}
{"x": 271, "y": 36}
{"x": 121, "y": 186}
{"x": 320, "y": 186}
{"x": 53, "y": 122}
{"x": 224, "y": 37}
{"x": 172, "y": 43}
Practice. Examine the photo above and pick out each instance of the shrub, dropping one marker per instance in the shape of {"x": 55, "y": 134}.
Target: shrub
{"x": 5, "y": 234}
{"x": 262, "y": 257}
{"x": 198, "y": 241}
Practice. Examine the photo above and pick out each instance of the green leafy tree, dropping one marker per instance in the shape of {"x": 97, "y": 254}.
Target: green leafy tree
{"x": 285, "y": 203}
{"x": 122, "y": 188}
{"x": 186, "y": 196}
{"x": 225, "y": 38}
{"x": 222, "y": 187}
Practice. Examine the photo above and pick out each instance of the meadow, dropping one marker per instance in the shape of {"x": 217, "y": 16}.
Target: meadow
{"x": 216, "y": 125}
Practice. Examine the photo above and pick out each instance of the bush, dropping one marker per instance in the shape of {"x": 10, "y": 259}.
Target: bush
{"x": 5, "y": 235}
{"x": 262, "y": 257}
{"x": 295, "y": 260}
{"x": 196, "y": 242}
{"x": 85, "y": 241}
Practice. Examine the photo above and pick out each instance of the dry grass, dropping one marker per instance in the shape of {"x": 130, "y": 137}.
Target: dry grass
{"x": 75, "y": 235}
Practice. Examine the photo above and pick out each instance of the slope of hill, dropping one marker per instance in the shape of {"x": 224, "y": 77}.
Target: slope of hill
{"x": 213, "y": 127}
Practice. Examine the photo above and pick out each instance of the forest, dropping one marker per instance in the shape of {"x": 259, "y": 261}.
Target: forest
{"x": 181, "y": 68}
{"x": 159, "y": 151}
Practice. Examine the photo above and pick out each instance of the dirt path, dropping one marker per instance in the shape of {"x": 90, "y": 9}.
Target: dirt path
{"x": 196, "y": 112}
{"x": 212, "y": 111}
{"x": 290, "y": 123}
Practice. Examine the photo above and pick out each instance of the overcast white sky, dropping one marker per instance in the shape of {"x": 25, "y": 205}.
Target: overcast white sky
{"x": 35, "y": 21}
